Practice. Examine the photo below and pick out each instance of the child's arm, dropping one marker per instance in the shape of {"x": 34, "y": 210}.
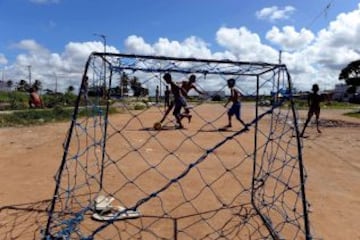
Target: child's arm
{"x": 197, "y": 90}
{"x": 230, "y": 98}
{"x": 238, "y": 92}
{"x": 227, "y": 102}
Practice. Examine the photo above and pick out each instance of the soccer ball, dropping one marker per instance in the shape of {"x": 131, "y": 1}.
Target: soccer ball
{"x": 157, "y": 126}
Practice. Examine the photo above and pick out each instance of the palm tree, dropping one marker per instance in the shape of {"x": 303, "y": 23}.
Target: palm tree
{"x": 37, "y": 85}
{"x": 70, "y": 89}
{"x": 23, "y": 86}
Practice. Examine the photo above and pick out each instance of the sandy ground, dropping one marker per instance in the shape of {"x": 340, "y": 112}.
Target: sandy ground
{"x": 30, "y": 157}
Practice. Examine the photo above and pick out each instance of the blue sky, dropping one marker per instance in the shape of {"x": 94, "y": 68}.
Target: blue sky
{"x": 321, "y": 35}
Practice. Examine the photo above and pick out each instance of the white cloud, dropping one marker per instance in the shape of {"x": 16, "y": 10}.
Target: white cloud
{"x": 310, "y": 57}
{"x": 247, "y": 46}
{"x": 32, "y": 47}
{"x": 190, "y": 47}
{"x": 3, "y": 59}
{"x": 275, "y": 13}
{"x": 68, "y": 66}
{"x": 336, "y": 45}
{"x": 288, "y": 39}
{"x": 319, "y": 58}
{"x": 135, "y": 44}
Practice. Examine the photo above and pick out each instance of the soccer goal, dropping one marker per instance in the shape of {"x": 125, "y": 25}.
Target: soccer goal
{"x": 122, "y": 178}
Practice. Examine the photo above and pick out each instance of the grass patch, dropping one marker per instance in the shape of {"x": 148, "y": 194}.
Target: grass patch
{"x": 303, "y": 104}
{"x": 339, "y": 105}
{"x": 353, "y": 114}
{"x": 41, "y": 116}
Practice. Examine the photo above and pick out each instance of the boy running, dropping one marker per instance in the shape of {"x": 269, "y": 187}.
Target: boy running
{"x": 236, "y": 104}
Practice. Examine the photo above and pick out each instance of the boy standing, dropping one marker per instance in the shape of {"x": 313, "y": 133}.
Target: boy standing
{"x": 314, "y": 100}
{"x": 35, "y": 100}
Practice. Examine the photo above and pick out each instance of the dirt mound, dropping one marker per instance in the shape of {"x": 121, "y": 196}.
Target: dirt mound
{"x": 337, "y": 123}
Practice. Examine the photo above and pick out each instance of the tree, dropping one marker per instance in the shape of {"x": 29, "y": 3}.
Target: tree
{"x": 70, "y": 89}
{"x": 69, "y": 97}
{"x": 138, "y": 89}
{"x": 135, "y": 86}
{"x": 23, "y": 86}
{"x": 351, "y": 75}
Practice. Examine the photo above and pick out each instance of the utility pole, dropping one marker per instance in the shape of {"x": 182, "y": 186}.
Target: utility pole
{"x": 29, "y": 69}
{"x": 103, "y": 37}
{"x": 280, "y": 52}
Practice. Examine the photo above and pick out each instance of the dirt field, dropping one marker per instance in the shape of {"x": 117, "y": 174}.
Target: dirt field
{"x": 30, "y": 157}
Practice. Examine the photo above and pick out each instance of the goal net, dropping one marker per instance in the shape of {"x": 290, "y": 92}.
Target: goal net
{"x": 120, "y": 178}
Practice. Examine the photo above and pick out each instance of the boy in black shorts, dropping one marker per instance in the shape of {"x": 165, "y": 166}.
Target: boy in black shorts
{"x": 314, "y": 100}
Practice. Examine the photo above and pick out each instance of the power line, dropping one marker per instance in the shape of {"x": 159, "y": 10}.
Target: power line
{"x": 324, "y": 12}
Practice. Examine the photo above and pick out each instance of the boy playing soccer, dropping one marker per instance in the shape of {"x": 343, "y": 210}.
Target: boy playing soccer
{"x": 236, "y": 105}
{"x": 179, "y": 101}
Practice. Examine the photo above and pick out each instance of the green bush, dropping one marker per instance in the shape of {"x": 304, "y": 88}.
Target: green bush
{"x": 140, "y": 106}
{"x": 353, "y": 114}
{"x": 14, "y": 100}
{"x": 34, "y": 117}
{"x": 59, "y": 99}
{"x": 41, "y": 116}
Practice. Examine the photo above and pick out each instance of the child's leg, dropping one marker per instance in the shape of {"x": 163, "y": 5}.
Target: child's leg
{"x": 229, "y": 120}
{"x": 305, "y": 125}
{"x": 167, "y": 111}
{"x": 317, "y": 121}
{"x": 177, "y": 114}
{"x": 237, "y": 114}
{"x": 310, "y": 113}
{"x": 186, "y": 112}
{"x": 178, "y": 120}
{"x": 230, "y": 113}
